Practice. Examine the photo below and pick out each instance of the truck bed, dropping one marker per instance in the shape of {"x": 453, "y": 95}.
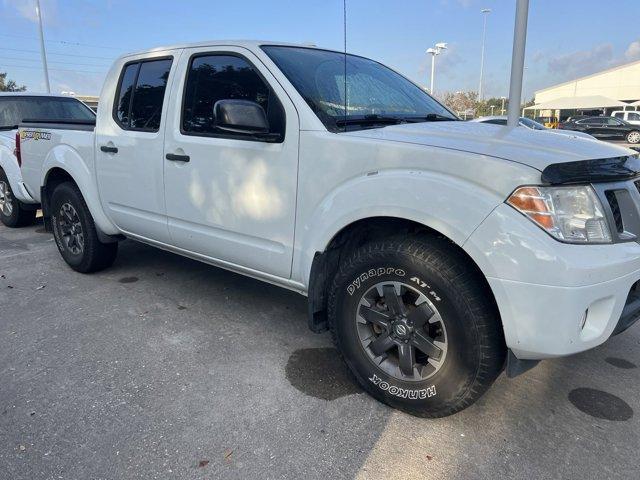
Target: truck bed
{"x": 69, "y": 141}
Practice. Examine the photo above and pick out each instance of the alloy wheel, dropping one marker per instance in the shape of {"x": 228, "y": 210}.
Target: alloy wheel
{"x": 6, "y": 199}
{"x": 71, "y": 229}
{"x": 633, "y": 137}
{"x": 401, "y": 331}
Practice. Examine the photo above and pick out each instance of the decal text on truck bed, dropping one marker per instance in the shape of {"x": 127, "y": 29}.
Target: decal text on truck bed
{"x": 35, "y": 134}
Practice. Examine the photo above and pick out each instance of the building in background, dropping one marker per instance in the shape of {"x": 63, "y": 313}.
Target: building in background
{"x": 90, "y": 100}
{"x": 601, "y": 93}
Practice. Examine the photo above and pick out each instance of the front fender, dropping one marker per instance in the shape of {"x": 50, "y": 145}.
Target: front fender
{"x": 69, "y": 160}
{"x": 9, "y": 164}
{"x": 451, "y": 206}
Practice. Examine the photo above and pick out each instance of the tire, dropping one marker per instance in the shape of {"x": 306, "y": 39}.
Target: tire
{"x": 13, "y": 213}
{"x": 633, "y": 137}
{"x": 75, "y": 232}
{"x": 456, "y": 314}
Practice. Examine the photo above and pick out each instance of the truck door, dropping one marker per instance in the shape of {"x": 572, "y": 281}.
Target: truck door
{"x": 129, "y": 147}
{"x": 231, "y": 196}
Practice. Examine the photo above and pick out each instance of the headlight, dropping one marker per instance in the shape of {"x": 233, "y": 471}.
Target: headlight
{"x": 570, "y": 214}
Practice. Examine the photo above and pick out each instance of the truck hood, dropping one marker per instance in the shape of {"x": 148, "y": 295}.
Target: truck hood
{"x": 537, "y": 149}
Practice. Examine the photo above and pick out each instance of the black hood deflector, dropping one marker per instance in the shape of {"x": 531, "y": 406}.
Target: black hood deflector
{"x": 592, "y": 171}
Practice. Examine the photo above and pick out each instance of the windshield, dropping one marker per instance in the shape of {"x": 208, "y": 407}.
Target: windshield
{"x": 13, "y": 110}
{"x": 376, "y": 95}
{"x": 527, "y": 122}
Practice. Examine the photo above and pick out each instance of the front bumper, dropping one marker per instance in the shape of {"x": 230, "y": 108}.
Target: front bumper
{"x": 555, "y": 299}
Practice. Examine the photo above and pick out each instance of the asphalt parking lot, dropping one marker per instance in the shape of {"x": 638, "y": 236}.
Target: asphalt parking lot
{"x": 162, "y": 367}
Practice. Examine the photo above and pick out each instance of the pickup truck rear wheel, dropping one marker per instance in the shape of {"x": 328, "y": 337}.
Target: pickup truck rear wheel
{"x": 75, "y": 232}
{"x": 415, "y": 324}
{"x": 13, "y": 213}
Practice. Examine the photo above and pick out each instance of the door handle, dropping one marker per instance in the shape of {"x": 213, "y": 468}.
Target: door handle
{"x": 177, "y": 158}
{"x": 107, "y": 149}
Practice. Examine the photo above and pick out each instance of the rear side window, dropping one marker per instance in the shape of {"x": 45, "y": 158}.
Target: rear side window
{"x": 221, "y": 77}
{"x": 141, "y": 94}
{"x": 125, "y": 91}
{"x": 633, "y": 116}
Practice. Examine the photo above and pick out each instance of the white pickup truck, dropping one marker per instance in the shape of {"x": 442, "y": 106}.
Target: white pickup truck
{"x": 436, "y": 251}
{"x": 17, "y": 206}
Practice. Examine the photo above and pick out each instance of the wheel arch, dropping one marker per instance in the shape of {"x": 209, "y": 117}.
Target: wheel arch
{"x": 9, "y": 165}
{"x": 57, "y": 174}
{"x": 352, "y": 236}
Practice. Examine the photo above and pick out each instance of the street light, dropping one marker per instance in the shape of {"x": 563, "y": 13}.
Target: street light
{"x": 43, "y": 53}
{"x": 433, "y": 52}
{"x": 517, "y": 62}
{"x": 492, "y": 107}
{"x": 485, "y": 12}
{"x": 502, "y": 109}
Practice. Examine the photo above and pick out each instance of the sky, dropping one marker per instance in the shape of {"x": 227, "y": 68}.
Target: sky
{"x": 566, "y": 38}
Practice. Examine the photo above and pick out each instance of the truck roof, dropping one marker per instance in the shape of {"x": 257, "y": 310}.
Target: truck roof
{"x": 33, "y": 94}
{"x": 249, "y": 44}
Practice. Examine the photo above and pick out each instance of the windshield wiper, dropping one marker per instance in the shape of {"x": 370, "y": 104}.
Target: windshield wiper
{"x": 369, "y": 120}
{"x": 432, "y": 117}
{"x": 8, "y": 127}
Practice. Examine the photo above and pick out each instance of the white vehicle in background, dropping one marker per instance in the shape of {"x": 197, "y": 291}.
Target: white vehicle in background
{"x": 532, "y": 125}
{"x": 436, "y": 251}
{"x": 17, "y": 205}
{"x": 628, "y": 116}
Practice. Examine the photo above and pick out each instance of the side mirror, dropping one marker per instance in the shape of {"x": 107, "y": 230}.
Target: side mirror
{"x": 240, "y": 116}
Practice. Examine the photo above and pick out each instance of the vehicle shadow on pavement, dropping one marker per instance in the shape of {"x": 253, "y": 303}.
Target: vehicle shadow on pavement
{"x": 166, "y": 367}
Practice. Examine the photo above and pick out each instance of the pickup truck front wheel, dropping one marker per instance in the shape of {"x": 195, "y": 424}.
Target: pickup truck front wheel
{"x": 12, "y": 212}
{"x": 414, "y": 322}
{"x": 75, "y": 232}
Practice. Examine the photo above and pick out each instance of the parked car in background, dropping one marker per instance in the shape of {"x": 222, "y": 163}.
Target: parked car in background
{"x": 17, "y": 205}
{"x": 436, "y": 251}
{"x": 628, "y": 116}
{"x": 606, "y": 128}
{"x": 532, "y": 125}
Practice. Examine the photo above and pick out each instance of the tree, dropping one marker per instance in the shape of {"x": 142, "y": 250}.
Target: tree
{"x": 461, "y": 102}
{"x": 9, "y": 85}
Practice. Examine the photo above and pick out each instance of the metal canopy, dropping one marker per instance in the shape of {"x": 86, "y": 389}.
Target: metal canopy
{"x": 578, "y": 103}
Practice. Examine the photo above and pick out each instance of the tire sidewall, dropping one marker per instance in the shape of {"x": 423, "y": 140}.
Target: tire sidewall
{"x": 65, "y": 194}
{"x": 448, "y": 384}
{"x": 13, "y": 219}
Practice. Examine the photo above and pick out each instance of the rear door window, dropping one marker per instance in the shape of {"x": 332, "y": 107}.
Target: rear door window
{"x": 633, "y": 116}
{"x": 140, "y": 95}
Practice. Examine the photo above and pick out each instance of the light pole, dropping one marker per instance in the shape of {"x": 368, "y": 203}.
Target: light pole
{"x": 485, "y": 12}
{"x": 42, "y": 51}
{"x": 517, "y": 62}
{"x": 433, "y": 52}
{"x": 502, "y": 109}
